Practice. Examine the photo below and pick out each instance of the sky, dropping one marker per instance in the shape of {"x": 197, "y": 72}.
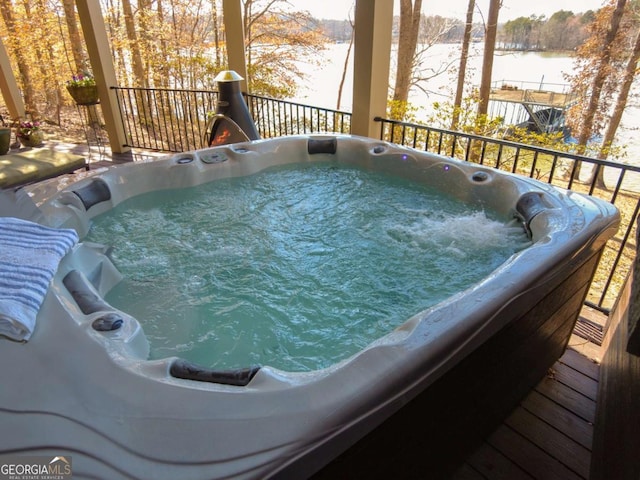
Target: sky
{"x": 339, "y": 9}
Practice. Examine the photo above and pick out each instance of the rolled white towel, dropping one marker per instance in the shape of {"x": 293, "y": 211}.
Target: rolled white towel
{"x": 29, "y": 258}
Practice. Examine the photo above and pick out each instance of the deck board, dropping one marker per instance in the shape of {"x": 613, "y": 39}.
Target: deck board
{"x": 528, "y": 456}
{"x": 560, "y": 418}
{"x": 577, "y": 361}
{"x": 554, "y": 443}
{"x": 550, "y": 435}
{"x": 467, "y": 472}
{"x": 576, "y": 380}
{"x": 488, "y": 462}
{"x": 570, "y": 399}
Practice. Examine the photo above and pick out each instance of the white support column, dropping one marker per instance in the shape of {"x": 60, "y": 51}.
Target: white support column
{"x": 99, "y": 49}
{"x": 372, "y": 52}
{"x": 9, "y": 87}
{"x": 234, "y": 32}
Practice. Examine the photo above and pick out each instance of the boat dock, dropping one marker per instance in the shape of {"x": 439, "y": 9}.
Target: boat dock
{"x": 537, "y": 107}
{"x": 547, "y": 98}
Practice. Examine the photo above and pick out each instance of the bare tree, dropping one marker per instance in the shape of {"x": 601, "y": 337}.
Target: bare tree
{"x": 410, "y": 14}
{"x": 276, "y": 39}
{"x": 346, "y": 63}
{"x": 462, "y": 69}
{"x": 417, "y": 35}
{"x": 621, "y": 103}
{"x": 491, "y": 30}
{"x": 432, "y": 30}
{"x": 595, "y": 60}
{"x": 600, "y": 76}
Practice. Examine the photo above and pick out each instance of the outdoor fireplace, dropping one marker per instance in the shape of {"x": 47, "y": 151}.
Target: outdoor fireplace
{"x": 232, "y": 122}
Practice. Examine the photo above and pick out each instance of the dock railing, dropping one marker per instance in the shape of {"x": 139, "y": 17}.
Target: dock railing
{"x": 537, "y": 86}
{"x": 174, "y": 120}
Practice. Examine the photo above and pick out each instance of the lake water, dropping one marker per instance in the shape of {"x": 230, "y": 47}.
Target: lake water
{"x": 524, "y": 69}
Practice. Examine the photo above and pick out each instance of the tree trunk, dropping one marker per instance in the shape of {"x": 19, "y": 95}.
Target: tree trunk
{"x": 23, "y": 64}
{"x": 248, "y": 40}
{"x": 621, "y": 103}
{"x": 462, "y": 69}
{"x": 410, "y": 15}
{"x": 216, "y": 32}
{"x": 600, "y": 76}
{"x": 132, "y": 36}
{"x": 161, "y": 80}
{"x": 145, "y": 46}
{"x": 596, "y": 86}
{"x": 75, "y": 38}
{"x": 344, "y": 68}
{"x": 491, "y": 32}
{"x": 47, "y": 57}
{"x": 112, "y": 18}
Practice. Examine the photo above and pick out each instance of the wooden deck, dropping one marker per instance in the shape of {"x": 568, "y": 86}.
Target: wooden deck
{"x": 549, "y": 436}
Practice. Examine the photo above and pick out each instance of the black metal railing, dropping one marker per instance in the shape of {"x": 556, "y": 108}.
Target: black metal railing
{"x": 175, "y": 120}
{"x": 275, "y": 118}
{"x": 171, "y": 120}
{"x": 614, "y": 182}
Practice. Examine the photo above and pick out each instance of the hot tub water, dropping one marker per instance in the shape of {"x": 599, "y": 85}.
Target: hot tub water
{"x": 296, "y": 268}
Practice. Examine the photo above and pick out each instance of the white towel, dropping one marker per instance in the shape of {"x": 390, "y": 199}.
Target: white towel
{"x": 29, "y": 258}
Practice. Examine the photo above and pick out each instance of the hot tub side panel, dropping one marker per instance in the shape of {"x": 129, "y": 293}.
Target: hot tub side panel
{"x": 432, "y": 435}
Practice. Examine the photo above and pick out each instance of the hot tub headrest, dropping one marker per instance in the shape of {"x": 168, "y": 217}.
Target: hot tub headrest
{"x": 184, "y": 369}
{"x": 95, "y": 192}
{"x": 88, "y": 301}
{"x": 528, "y": 206}
{"x": 322, "y": 145}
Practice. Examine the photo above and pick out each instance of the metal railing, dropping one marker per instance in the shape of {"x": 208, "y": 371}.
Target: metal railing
{"x": 175, "y": 120}
{"x": 165, "y": 119}
{"x": 275, "y": 118}
{"x": 524, "y": 85}
{"x": 613, "y": 182}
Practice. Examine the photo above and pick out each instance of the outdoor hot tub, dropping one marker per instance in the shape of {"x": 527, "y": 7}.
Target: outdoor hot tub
{"x": 410, "y": 402}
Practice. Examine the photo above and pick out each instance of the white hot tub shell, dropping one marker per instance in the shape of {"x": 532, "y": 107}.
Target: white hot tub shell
{"x": 463, "y": 364}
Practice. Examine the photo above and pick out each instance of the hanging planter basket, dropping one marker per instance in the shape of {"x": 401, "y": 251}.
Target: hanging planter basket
{"x": 84, "y": 94}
